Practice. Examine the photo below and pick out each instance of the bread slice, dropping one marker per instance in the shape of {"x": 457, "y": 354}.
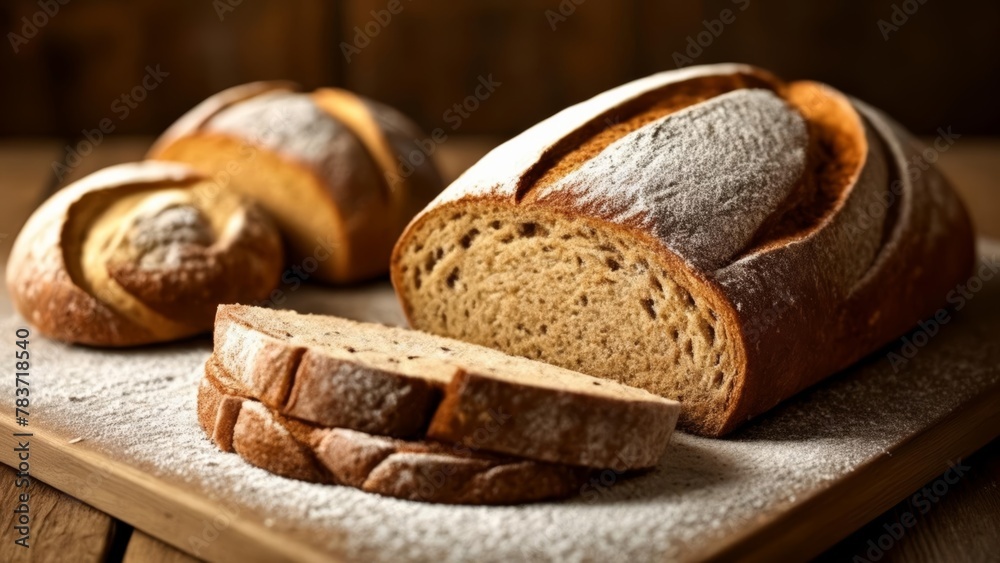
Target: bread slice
{"x": 263, "y": 438}
{"x": 393, "y": 381}
{"x": 413, "y": 470}
{"x": 711, "y": 234}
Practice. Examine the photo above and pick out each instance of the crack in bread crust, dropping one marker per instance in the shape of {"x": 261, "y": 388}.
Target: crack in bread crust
{"x": 577, "y": 148}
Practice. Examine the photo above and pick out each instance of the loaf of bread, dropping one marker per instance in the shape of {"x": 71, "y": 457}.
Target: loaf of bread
{"x": 418, "y": 470}
{"x": 140, "y": 253}
{"x": 712, "y": 234}
{"x": 398, "y": 382}
{"x": 340, "y": 174}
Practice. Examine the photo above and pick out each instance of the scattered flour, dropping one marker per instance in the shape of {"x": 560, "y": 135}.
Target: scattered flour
{"x": 139, "y": 407}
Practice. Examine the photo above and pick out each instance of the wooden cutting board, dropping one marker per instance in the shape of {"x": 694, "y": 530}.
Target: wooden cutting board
{"x": 117, "y": 430}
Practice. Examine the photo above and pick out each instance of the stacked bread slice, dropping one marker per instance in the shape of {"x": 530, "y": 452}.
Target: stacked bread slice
{"x": 411, "y": 415}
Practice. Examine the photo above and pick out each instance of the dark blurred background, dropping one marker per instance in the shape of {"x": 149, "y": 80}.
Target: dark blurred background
{"x": 931, "y": 65}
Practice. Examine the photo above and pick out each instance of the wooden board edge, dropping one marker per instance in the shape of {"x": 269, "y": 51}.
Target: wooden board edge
{"x": 182, "y": 519}
{"x": 818, "y": 521}
{"x": 144, "y": 548}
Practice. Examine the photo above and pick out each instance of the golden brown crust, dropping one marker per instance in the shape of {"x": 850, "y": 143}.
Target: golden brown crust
{"x": 265, "y": 440}
{"x": 926, "y": 247}
{"x": 307, "y": 384}
{"x": 433, "y": 472}
{"x": 218, "y": 410}
{"x": 137, "y": 254}
{"x": 481, "y": 411}
{"x": 342, "y": 160}
{"x": 197, "y": 116}
{"x": 409, "y": 178}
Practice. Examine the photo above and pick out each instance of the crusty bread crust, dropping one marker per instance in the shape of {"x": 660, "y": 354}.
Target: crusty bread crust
{"x": 139, "y": 253}
{"x": 344, "y": 160}
{"x": 834, "y": 265}
{"x": 306, "y": 384}
{"x": 413, "y": 384}
{"x": 197, "y": 116}
{"x": 414, "y": 470}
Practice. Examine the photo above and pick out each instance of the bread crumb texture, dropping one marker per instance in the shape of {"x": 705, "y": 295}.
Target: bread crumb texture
{"x": 558, "y": 289}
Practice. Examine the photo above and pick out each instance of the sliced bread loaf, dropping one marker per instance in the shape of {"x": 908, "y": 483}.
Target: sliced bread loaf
{"x": 404, "y": 383}
{"x": 711, "y": 234}
{"x": 415, "y": 470}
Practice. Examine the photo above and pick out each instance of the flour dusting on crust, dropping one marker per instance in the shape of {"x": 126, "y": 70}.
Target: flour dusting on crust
{"x": 703, "y": 179}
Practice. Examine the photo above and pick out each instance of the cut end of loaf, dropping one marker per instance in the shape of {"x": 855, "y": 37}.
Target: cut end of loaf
{"x": 572, "y": 292}
{"x": 387, "y": 380}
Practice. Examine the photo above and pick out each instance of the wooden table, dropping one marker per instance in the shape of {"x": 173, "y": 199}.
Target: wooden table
{"x": 963, "y": 526}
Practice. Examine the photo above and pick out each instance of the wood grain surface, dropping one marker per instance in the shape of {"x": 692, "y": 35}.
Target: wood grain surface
{"x": 61, "y": 527}
{"x": 149, "y": 504}
{"x": 940, "y": 69}
{"x": 143, "y": 548}
{"x": 961, "y": 526}
{"x": 880, "y": 482}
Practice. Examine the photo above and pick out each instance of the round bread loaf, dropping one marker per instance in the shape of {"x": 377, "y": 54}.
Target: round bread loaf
{"x": 140, "y": 253}
{"x": 340, "y": 174}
